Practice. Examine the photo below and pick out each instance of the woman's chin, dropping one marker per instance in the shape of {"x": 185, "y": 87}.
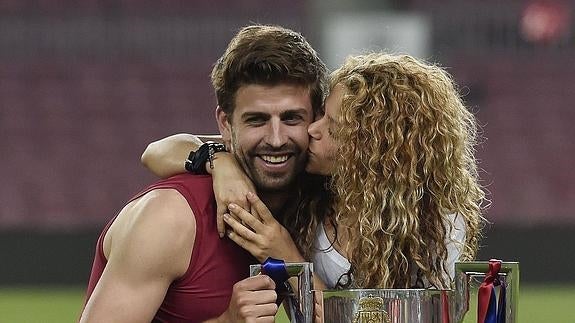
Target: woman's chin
{"x": 315, "y": 169}
{"x": 310, "y": 168}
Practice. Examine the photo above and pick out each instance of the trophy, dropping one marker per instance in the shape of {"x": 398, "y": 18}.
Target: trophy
{"x": 485, "y": 291}
{"x": 485, "y": 279}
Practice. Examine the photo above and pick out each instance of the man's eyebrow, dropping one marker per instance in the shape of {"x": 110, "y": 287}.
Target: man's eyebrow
{"x": 301, "y": 111}
{"x": 248, "y": 115}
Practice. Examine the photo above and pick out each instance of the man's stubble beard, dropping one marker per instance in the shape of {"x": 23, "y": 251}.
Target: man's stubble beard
{"x": 263, "y": 182}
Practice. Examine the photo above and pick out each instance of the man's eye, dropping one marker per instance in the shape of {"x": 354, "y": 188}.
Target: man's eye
{"x": 293, "y": 119}
{"x": 255, "y": 121}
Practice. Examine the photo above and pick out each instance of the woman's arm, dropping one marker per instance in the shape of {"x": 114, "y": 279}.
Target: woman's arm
{"x": 166, "y": 157}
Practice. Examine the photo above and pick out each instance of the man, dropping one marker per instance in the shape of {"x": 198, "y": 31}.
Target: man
{"x": 161, "y": 259}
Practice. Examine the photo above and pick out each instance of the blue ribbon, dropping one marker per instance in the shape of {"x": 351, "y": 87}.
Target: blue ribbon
{"x": 492, "y": 309}
{"x": 276, "y": 269}
{"x": 495, "y": 312}
{"x": 502, "y": 306}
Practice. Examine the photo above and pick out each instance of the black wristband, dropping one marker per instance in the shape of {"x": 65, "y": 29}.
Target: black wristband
{"x": 197, "y": 159}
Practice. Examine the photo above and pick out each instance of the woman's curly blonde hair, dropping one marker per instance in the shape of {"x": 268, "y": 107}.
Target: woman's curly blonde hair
{"x": 405, "y": 164}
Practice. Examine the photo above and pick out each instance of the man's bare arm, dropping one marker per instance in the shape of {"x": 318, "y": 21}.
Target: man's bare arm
{"x": 147, "y": 247}
{"x": 166, "y": 157}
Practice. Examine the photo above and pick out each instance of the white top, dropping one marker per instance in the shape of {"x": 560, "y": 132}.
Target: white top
{"x": 328, "y": 264}
{"x": 331, "y": 266}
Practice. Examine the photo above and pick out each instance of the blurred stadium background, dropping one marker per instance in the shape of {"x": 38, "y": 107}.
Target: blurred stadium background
{"x": 85, "y": 85}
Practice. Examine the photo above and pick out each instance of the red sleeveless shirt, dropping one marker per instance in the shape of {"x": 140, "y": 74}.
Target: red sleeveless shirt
{"x": 204, "y": 291}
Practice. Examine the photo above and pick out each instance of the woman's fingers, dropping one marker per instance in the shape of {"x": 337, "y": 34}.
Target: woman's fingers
{"x": 245, "y": 216}
{"x": 239, "y": 229}
{"x": 222, "y": 208}
{"x": 220, "y": 224}
{"x": 261, "y": 209}
{"x": 253, "y": 211}
{"x": 240, "y": 241}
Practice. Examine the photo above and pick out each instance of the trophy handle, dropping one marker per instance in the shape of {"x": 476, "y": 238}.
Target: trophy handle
{"x": 465, "y": 272}
{"x": 304, "y": 302}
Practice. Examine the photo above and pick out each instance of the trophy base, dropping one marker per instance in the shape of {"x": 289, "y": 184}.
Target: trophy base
{"x": 388, "y": 305}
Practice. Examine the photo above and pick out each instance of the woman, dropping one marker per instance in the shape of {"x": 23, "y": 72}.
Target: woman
{"x": 402, "y": 200}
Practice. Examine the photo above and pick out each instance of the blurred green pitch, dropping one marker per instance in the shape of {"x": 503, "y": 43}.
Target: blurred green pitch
{"x": 538, "y": 303}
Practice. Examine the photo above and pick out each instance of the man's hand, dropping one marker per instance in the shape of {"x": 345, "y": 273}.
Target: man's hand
{"x": 231, "y": 185}
{"x": 253, "y": 300}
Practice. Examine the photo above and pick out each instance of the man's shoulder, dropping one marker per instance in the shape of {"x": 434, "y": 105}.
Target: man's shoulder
{"x": 165, "y": 208}
{"x": 159, "y": 222}
{"x": 172, "y": 204}
{"x": 186, "y": 179}
{"x": 186, "y": 184}
{"x": 196, "y": 189}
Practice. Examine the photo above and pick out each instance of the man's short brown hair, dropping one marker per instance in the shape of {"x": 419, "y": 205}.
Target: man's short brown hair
{"x": 268, "y": 55}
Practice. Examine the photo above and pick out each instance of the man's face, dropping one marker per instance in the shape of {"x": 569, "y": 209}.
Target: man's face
{"x": 267, "y": 133}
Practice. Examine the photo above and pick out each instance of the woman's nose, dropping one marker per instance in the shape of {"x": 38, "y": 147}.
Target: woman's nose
{"x": 313, "y": 129}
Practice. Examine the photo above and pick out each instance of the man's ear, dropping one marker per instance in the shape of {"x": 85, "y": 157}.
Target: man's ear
{"x": 224, "y": 125}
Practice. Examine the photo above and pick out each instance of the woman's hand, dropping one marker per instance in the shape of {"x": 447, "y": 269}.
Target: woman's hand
{"x": 260, "y": 233}
{"x": 231, "y": 185}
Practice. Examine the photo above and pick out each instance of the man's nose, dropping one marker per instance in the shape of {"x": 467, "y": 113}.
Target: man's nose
{"x": 277, "y": 136}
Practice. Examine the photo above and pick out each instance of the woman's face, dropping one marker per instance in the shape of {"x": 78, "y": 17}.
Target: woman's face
{"x": 322, "y": 146}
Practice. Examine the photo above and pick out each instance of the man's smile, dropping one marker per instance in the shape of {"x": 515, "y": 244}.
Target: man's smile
{"x": 273, "y": 159}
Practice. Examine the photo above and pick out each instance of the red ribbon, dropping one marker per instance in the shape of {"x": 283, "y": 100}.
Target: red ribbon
{"x": 445, "y": 307}
{"x": 487, "y": 306}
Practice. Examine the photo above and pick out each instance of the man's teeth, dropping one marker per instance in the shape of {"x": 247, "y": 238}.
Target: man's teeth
{"x": 275, "y": 159}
